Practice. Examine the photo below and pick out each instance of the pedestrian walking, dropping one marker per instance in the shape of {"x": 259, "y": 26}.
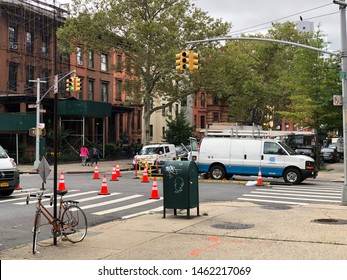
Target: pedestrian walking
{"x": 95, "y": 155}
{"x": 84, "y": 153}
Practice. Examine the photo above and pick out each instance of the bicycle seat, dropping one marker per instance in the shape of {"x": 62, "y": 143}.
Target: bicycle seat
{"x": 61, "y": 192}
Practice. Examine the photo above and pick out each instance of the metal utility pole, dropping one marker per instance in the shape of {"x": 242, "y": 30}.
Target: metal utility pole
{"x": 37, "y": 152}
{"x": 343, "y": 5}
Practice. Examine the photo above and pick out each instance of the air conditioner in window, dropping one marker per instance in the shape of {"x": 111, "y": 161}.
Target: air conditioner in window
{"x": 13, "y": 46}
{"x": 80, "y": 62}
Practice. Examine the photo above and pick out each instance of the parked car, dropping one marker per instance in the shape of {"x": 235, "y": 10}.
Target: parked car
{"x": 330, "y": 155}
{"x": 307, "y": 151}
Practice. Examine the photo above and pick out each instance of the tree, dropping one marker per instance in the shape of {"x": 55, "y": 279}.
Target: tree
{"x": 180, "y": 125}
{"x": 150, "y": 32}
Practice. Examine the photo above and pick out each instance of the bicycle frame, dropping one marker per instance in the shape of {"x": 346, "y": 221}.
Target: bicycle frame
{"x": 48, "y": 215}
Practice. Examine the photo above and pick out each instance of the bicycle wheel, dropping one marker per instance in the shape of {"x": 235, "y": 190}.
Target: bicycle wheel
{"x": 74, "y": 223}
{"x": 42, "y": 233}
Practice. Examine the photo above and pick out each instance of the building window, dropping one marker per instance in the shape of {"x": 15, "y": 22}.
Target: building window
{"x": 195, "y": 100}
{"x": 195, "y": 121}
{"x": 202, "y": 121}
{"x": 90, "y": 90}
{"x": 163, "y": 110}
{"x": 29, "y": 75}
{"x": 104, "y": 62}
{"x": 45, "y": 86}
{"x": 139, "y": 117}
{"x": 104, "y": 92}
{"x": 29, "y": 42}
{"x": 79, "y": 56}
{"x": 215, "y": 117}
{"x": 202, "y": 100}
{"x": 176, "y": 110}
{"x": 45, "y": 44}
{"x": 215, "y": 100}
{"x": 13, "y": 37}
{"x": 91, "y": 59}
{"x": 118, "y": 89}
{"x": 12, "y": 81}
{"x": 127, "y": 65}
{"x": 119, "y": 63}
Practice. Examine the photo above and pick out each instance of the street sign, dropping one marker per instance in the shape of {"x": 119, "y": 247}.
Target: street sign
{"x": 337, "y": 100}
{"x": 43, "y": 169}
{"x": 55, "y": 90}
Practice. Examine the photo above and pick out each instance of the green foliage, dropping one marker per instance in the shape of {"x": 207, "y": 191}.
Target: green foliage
{"x": 178, "y": 131}
{"x": 150, "y": 33}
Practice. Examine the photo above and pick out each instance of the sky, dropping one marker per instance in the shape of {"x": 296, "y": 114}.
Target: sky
{"x": 255, "y": 16}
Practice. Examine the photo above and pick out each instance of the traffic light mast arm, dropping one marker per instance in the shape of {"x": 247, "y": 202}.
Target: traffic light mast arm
{"x": 71, "y": 72}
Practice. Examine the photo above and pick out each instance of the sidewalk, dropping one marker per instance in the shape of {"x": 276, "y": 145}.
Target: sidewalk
{"x": 224, "y": 230}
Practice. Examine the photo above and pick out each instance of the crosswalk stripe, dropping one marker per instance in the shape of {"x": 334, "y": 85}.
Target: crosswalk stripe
{"x": 124, "y": 207}
{"x": 295, "y": 198}
{"x": 298, "y": 194}
{"x": 91, "y": 198}
{"x": 303, "y": 192}
{"x": 273, "y": 201}
{"x": 111, "y": 201}
{"x": 142, "y": 213}
{"x": 296, "y": 188}
{"x": 66, "y": 196}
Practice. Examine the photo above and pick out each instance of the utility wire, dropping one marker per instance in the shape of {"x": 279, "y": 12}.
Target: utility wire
{"x": 270, "y": 22}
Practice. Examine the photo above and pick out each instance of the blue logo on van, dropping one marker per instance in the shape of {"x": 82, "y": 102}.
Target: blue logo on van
{"x": 272, "y": 159}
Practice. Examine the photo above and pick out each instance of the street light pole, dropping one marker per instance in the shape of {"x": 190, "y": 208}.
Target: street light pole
{"x": 37, "y": 131}
{"x": 343, "y": 5}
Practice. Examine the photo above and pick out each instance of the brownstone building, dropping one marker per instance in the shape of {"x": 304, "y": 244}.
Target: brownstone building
{"x": 101, "y": 113}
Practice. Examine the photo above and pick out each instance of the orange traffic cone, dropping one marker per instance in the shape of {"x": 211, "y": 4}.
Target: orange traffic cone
{"x": 118, "y": 170}
{"x": 18, "y": 188}
{"x": 96, "y": 172}
{"x": 145, "y": 176}
{"x": 104, "y": 188}
{"x": 259, "y": 179}
{"x": 114, "y": 174}
{"x": 61, "y": 186}
{"x": 155, "y": 193}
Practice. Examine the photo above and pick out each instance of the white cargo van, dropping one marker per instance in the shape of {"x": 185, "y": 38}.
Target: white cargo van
{"x": 9, "y": 174}
{"x": 155, "y": 153}
{"x": 223, "y": 157}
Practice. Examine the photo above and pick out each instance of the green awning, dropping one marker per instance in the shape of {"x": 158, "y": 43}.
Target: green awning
{"x": 84, "y": 108}
{"x": 12, "y": 122}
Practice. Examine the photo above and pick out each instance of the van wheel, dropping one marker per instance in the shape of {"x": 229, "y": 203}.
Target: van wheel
{"x": 217, "y": 172}
{"x": 292, "y": 176}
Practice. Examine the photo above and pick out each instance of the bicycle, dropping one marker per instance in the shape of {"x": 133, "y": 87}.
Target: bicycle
{"x": 71, "y": 223}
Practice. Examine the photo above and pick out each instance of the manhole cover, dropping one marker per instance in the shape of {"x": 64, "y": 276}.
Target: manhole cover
{"x": 331, "y": 221}
{"x": 232, "y": 226}
{"x": 276, "y": 207}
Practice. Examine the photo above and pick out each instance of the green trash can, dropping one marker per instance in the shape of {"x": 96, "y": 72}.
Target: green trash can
{"x": 180, "y": 186}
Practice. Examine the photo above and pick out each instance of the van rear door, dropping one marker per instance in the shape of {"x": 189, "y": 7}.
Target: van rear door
{"x": 272, "y": 159}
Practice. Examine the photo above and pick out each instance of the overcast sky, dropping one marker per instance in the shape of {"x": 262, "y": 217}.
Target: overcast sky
{"x": 257, "y": 15}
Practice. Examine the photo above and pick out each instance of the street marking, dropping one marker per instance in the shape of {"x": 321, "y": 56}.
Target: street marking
{"x": 300, "y": 195}
{"x": 142, "y": 213}
{"x": 301, "y": 192}
{"x": 66, "y": 196}
{"x": 125, "y": 207}
{"x": 111, "y": 201}
{"x": 272, "y": 201}
{"x": 91, "y": 198}
{"x": 295, "y": 198}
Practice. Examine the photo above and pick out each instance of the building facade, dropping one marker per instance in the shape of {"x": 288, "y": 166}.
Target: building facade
{"x": 101, "y": 113}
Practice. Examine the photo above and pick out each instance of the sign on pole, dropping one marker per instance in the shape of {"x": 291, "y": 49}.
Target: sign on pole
{"x": 55, "y": 84}
{"x": 337, "y": 100}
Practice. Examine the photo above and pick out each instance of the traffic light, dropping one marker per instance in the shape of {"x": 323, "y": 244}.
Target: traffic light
{"x": 182, "y": 60}
{"x": 70, "y": 84}
{"x": 193, "y": 61}
{"x": 77, "y": 84}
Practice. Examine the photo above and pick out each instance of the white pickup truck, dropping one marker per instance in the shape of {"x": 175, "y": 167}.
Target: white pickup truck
{"x": 154, "y": 154}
